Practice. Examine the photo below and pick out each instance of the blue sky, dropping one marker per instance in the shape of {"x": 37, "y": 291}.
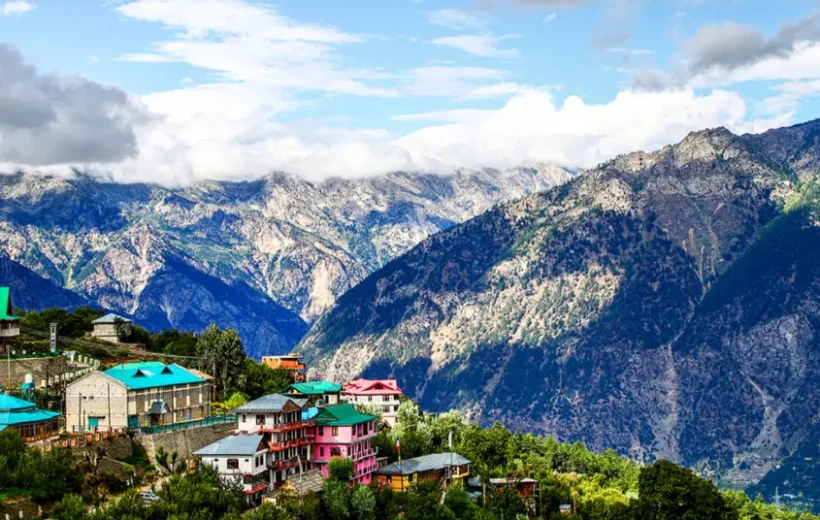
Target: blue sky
{"x": 237, "y": 88}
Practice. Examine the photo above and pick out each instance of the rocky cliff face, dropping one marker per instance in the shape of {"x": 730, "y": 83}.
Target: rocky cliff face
{"x": 665, "y": 304}
{"x": 266, "y": 257}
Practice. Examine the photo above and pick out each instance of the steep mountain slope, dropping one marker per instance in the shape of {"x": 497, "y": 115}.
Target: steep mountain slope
{"x": 284, "y": 248}
{"x": 664, "y": 304}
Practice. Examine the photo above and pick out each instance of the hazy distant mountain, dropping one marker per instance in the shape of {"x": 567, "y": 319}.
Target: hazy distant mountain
{"x": 266, "y": 257}
{"x": 666, "y": 304}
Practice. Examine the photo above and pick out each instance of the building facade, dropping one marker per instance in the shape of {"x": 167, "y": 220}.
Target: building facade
{"x": 447, "y": 467}
{"x": 135, "y": 395}
{"x": 342, "y": 431}
{"x": 111, "y": 328}
{"x": 323, "y": 392}
{"x": 291, "y": 362}
{"x": 32, "y": 423}
{"x": 9, "y": 323}
{"x": 240, "y": 458}
{"x": 286, "y": 432}
{"x": 382, "y": 395}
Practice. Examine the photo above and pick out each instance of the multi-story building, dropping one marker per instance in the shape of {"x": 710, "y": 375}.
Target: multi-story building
{"x": 134, "y": 395}
{"x": 343, "y": 431}
{"x": 447, "y": 467}
{"x": 382, "y": 395}
{"x": 287, "y": 434}
{"x": 241, "y": 458}
{"x": 323, "y": 392}
{"x": 111, "y": 328}
{"x": 291, "y": 362}
{"x": 9, "y": 323}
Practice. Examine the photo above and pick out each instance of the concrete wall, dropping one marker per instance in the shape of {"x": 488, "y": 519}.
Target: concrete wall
{"x": 96, "y": 395}
{"x": 111, "y": 332}
{"x": 185, "y": 442}
{"x": 39, "y": 367}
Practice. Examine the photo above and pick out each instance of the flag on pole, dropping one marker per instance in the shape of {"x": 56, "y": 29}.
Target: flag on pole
{"x": 398, "y": 447}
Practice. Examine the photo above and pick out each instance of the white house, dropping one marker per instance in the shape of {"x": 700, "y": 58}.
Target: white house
{"x": 240, "y": 458}
{"x": 111, "y": 328}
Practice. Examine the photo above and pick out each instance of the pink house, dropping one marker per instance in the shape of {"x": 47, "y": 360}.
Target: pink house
{"x": 342, "y": 431}
{"x": 382, "y": 394}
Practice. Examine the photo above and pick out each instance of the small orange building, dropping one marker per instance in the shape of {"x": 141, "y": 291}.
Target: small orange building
{"x": 292, "y": 362}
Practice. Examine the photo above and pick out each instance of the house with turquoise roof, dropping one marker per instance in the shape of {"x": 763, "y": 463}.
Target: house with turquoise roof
{"x": 32, "y": 423}
{"x": 9, "y": 323}
{"x": 137, "y": 395}
{"x": 323, "y": 392}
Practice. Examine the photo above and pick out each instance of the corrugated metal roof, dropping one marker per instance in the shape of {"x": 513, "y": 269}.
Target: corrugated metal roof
{"x": 425, "y": 463}
{"x": 14, "y": 411}
{"x": 314, "y": 388}
{"x": 341, "y": 415}
{"x": 310, "y": 480}
{"x": 5, "y": 305}
{"x": 9, "y": 402}
{"x": 270, "y": 404}
{"x": 152, "y": 374}
{"x": 245, "y": 445}
{"x": 111, "y": 318}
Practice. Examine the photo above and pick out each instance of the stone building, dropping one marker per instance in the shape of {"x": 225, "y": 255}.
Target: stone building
{"x": 135, "y": 395}
{"x": 111, "y": 328}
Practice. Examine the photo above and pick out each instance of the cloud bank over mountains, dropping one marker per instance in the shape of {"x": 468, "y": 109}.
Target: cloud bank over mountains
{"x": 264, "y": 68}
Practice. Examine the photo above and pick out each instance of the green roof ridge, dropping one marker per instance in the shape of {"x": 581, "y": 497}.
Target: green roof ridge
{"x": 315, "y": 387}
{"x": 343, "y": 414}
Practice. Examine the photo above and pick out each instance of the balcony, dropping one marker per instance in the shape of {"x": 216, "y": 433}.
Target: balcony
{"x": 370, "y": 452}
{"x": 285, "y": 427}
{"x": 283, "y": 464}
{"x": 292, "y": 443}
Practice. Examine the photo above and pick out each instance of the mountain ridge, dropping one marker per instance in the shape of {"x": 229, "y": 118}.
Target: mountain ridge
{"x": 288, "y": 244}
{"x": 578, "y": 304}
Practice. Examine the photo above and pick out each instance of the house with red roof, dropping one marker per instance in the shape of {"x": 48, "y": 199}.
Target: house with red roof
{"x": 378, "y": 394}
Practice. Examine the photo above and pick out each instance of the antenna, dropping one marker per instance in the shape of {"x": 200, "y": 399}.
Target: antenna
{"x": 777, "y": 497}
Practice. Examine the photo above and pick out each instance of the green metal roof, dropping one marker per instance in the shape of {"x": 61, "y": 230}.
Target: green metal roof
{"x": 14, "y": 411}
{"x": 152, "y": 374}
{"x": 342, "y": 415}
{"x": 5, "y": 305}
{"x": 314, "y": 388}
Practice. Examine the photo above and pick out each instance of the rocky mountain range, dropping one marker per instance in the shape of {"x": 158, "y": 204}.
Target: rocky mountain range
{"x": 265, "y": 257}
{"x": 664, "y": 304}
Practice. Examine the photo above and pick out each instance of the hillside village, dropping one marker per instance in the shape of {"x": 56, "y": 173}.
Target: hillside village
{"x": 136, "y": 419}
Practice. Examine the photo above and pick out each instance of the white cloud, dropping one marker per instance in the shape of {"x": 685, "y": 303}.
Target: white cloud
{"x": 533, "y": 128}
{"x": 450, "y": 81}
{"x": 550, "y": 17}
{"x": 485, "y": 45}
{"x": 16, "y": 7}
{"x": 456, "y": 19}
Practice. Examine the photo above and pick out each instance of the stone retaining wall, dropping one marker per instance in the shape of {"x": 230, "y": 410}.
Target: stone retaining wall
{"x": 185, "y": 442}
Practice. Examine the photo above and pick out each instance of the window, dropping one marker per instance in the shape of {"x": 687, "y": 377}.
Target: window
{"x": 244, "y": 417}
{"x": 233, "y": 463}
{"x": 335, "y": 431}
{"x": 321, "y": 452}
{"x": 132, "y": 398}
{"x": 370, "y": 398}
{"x": 321, "y": 430}
{"x": 260, "y": 420}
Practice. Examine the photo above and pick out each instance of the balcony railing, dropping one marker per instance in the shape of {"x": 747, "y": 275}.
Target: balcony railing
{"x": 285, "y": 427}
{"x": 292, "y": 443}
{"x": 283, "y": 464}
{"x": 363, "y": 454}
